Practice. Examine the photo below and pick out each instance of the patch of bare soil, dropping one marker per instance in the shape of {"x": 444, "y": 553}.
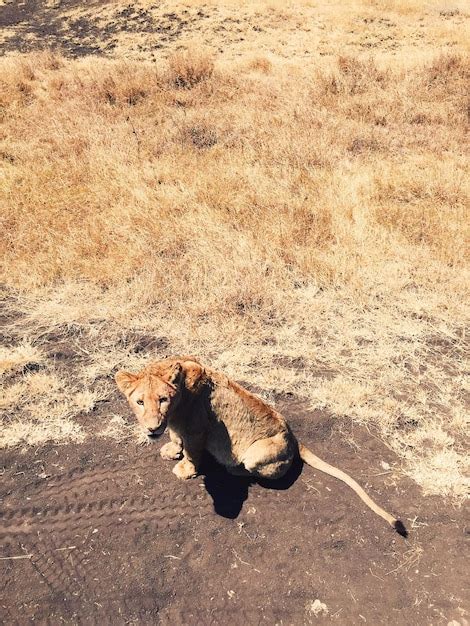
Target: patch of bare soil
{"x": 67, "y": 24}
{"x": 96, "y": 27}
{"x": 142, "y": 29}
{"x": 103, "y": 531}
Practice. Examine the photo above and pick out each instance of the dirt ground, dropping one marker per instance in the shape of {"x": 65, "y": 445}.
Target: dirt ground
{"x": 103, "y": 532}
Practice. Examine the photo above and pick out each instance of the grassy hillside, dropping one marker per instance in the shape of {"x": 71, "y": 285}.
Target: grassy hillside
{"x": 291, "y": 207}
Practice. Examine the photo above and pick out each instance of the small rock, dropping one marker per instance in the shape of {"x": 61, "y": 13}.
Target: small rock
{"x": 317, "y": 608}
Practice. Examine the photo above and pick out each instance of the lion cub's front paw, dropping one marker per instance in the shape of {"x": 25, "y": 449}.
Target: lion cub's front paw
{"x": 185, "y": 469}
{"x": 171, "y": 451}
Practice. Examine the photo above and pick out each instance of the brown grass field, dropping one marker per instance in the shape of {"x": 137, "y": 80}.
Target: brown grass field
{"x": 280, "y": 188}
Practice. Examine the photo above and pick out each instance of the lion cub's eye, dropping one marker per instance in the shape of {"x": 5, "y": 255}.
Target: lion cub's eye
{"x": 140, "y": 402}
{"x": 162, "y": 400}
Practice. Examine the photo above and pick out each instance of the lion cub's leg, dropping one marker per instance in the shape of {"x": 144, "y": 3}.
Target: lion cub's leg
{"x": 173, "y": 449}
{"x": 193, "y": 448}
{"x": 270, "y": 457}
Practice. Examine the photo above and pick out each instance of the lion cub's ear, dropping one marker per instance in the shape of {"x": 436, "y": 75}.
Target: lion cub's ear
{"x": 124, "y": 380}
{"x": 176, "y": 374}
{"x": 195, "y": 376}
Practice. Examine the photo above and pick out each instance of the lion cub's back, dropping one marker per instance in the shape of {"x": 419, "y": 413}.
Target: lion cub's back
{"x": 238, "y": 419}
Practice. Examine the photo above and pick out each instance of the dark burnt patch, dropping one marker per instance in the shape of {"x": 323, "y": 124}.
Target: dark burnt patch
{"x": 39, "y": 24}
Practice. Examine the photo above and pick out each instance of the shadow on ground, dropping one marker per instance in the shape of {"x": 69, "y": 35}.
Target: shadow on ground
{"x": 229, "y": 492}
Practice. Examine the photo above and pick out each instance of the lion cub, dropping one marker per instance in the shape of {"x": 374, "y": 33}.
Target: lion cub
{"x": 205, "y": 410}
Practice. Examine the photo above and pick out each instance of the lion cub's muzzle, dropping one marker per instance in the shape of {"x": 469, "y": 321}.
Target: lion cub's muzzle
{"x": 155, "y": 431}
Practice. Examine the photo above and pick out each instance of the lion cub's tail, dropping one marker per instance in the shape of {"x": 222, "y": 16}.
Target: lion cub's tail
{"x": 314, "y": 461}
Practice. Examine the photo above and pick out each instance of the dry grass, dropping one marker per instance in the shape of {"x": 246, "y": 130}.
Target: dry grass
{"x": 303, "y": 228}
{"x": 36, "y": 405}
{"x": 190, "y": 66}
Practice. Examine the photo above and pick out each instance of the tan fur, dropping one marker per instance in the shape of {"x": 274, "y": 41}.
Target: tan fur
{"x": 205, "y": 410}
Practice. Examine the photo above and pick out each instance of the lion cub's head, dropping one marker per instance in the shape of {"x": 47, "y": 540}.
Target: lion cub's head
{"x": 155, "y": 392}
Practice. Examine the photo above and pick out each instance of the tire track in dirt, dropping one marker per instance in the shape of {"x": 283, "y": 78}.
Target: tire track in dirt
{"x": 160, "y": 511}
{"x": 58, "y": 568}
{"x": 73, "y": 523}
{"x": 102, "y": 514}
{"x": 218, "y": 615}
{"x": 104, "y": 498}
{"x": 67, "y": 514}
{"x": 106, "y": 478}
{"x": 71, "y": 572}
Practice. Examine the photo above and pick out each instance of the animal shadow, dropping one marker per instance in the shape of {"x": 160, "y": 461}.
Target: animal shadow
{"x": 229, "y": 492}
